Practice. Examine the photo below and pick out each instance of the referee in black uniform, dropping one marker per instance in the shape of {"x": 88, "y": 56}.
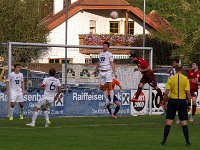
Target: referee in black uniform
{"x": 177, "y": 95}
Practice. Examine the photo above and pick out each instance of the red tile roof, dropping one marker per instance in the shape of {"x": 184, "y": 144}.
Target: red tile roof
{"x": 164, "y": 25}
{"x": 153, "y": 19}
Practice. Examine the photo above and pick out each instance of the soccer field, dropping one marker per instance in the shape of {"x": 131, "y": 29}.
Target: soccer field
{"x": 95, "y": 133}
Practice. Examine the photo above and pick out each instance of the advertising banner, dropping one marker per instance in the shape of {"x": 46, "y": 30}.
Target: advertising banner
{"x": 75, "y": 103}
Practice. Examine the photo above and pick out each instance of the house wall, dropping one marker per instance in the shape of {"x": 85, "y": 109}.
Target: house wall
{"x": 79, "y": 24}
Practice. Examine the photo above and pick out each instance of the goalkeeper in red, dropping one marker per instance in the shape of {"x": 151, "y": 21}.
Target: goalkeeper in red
{"x": 148, "y": 76}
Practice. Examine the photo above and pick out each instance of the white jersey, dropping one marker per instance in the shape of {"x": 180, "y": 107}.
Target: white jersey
{"x": 172, "y": 72}
{"x": 51, "y": 86}
{"x": 104, "y": 60}
{"x": 15, "y": 81}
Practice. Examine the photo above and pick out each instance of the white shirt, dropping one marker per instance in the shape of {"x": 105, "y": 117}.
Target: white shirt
{"x": 172, "y": 72}
{"x": 51, "y": 86}
{"x": 15, "y": 81}
{"x": 104, "y": 60}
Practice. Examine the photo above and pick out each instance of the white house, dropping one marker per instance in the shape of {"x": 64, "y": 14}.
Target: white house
{"x": 92, "y": 17}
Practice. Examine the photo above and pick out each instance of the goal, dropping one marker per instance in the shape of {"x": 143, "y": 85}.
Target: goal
{"x": 79, "y": 84}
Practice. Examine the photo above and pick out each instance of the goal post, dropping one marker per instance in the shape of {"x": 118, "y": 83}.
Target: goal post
{"x": 148, "y": 50}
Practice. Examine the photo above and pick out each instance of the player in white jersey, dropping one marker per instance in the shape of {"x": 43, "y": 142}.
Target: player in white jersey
{"x": 15, "y": 90}
{"x": 52, "y": 89}
{"x": 172, "y": 70}
{"x": 106, "y": 69}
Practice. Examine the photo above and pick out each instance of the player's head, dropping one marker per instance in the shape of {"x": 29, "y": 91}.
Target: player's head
{"x": 106, "y": 45}
{"x": 133, "y": 56}
{"x": 52, "y": 72}
{"x": 175, "y": 61}
{"x": 17, "y": 67}
{"x": 194, "y": 65}
{"x": 178, "y": 68}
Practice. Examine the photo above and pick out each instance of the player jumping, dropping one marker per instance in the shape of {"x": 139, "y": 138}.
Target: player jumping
{"x": 106, "y": 68}
{"x": 148, "y": 76}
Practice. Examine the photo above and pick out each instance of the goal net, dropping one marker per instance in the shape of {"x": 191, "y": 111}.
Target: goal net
{"x": 80, "y": 96}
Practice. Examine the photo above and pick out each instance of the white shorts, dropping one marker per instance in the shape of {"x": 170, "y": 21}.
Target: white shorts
{"x": 16, "y": 97}
{"x": 105, "y": 76}
{"x": 44, "y": 103}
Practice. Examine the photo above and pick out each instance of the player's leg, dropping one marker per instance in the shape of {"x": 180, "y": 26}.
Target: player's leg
{"x": 13, "y": 97}
{"x": 109, "y": 79}
{"x": 139, "y": 90}
{"x": 12, "y": 105}
{"x": 103, "y": 87}
{"x": 109, "y": 84}
{"x": 21, "y": 104}
{"x": 46, "y": 112}
{"x": 170, "y": 116}
{"x": 183, "y": 116}
{"x": 194, "y": 105}
{"x": 108, "y": 106}
{"x": 20, "y": 99}
{"x": 38, "y": 105}
{"x": 117, "y": 108}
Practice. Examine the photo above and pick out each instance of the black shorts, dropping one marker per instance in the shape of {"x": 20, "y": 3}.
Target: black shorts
{"x": 115, "y": 98}
{"x": 150, "y": 79}
{"x": 175, "y": 105}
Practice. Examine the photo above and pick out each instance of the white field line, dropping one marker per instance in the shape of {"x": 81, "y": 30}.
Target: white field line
{"x": 77, "y": 126}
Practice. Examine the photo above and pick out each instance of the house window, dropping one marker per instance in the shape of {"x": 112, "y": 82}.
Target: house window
{"x": 114, "y": 27}
{"x": 56, "y": 61}
{"x": 88, "y": 60}
{"x": 92, "y": 26}
{"x": 51, "y": 60}
{"x": 131, "y": 27}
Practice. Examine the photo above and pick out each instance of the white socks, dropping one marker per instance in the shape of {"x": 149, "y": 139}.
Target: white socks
{"x": 35, "y": 114}
{"x": 105, "y": 95}
{"x": 11, "y": 111}
{"x": 111, "y": 96}
{"x": 46, "y": 115}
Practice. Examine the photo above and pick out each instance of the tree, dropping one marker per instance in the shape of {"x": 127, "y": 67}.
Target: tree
{"x": 20, "y": 21}
{"x": 183, "y": 15}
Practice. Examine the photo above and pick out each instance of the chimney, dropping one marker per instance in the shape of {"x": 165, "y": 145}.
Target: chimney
{"x": 58, "y": 5}
{"x": 72, "y": 1}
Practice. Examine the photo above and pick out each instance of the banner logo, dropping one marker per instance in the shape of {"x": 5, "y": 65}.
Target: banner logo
{"x": 125, "y": 98}
{"x": 140, "y": 104}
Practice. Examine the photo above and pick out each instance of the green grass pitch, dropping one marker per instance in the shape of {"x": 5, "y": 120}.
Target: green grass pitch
{"x": 95, "y": 133}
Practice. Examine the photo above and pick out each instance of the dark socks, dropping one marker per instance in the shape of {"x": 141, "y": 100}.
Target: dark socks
{"x": 116, "y": 110}
{"x": 109, "y": 110}
{"x": 186, "y": 133}
{"x": 166, "y": 133}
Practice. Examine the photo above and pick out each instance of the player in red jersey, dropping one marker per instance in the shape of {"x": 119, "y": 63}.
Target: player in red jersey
{"x": 116, "y": 101}
{"x": 148, "y": 76}
{"x": 193, "y": 76}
